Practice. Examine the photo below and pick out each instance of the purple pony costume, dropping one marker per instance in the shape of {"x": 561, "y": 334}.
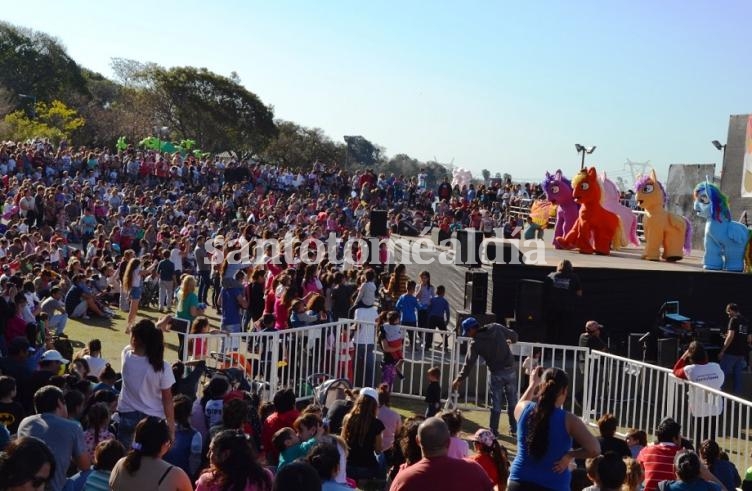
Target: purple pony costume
{"x": 558, "y": 191}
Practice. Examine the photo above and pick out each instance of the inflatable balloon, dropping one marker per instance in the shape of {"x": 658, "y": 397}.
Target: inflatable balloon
{"x": 121, "y": 144}
{"x": 461, "y": 177}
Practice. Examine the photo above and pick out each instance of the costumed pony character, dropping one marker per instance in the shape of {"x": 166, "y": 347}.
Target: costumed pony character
{"x": 596, "y": 229}
{"x": 727, "y": 243}
{"x": 558, "y": 191}
{"x": 612, "y": 202}
{"x": 662, "y": 228}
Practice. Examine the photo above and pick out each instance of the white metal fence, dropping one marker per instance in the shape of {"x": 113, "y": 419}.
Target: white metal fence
{"x": 638, "y": 394}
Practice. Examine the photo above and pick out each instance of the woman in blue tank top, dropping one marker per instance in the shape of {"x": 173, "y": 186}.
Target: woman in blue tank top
{"x": 544, "y": 435}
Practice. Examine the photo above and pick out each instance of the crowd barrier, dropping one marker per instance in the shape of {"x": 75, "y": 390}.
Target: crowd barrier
{"x": 638, "y": 394}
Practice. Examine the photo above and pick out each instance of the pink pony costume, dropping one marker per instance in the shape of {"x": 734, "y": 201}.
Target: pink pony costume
{"x": 558, "y": 191}
{"x": 612, "y": 202}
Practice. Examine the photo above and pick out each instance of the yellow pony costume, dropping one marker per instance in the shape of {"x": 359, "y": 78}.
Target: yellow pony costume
{"x": 662, "y": 228}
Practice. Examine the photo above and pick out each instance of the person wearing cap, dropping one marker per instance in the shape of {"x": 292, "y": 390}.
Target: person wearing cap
{"x": 490, "y": 455}
{"x": 64, "y": 437}
{"x": 591, "y": 338}
{"x": 436, "y": 470}
{"x": 491, "y": 342}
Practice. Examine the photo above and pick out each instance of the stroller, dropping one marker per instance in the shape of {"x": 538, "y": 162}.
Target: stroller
{"x": 325, "y": 389}
{"x": 150, "y": 293}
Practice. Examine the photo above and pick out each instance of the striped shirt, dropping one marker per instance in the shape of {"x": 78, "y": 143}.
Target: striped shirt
{"x": 658, "y": 462}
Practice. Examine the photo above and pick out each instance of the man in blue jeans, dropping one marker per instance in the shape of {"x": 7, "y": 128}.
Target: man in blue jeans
{"x": 734, "y": 353}
{"x": 491, "y": 342}
{"x": 203, "y": 266}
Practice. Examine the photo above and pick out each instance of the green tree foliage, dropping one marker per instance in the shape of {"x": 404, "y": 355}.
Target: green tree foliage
{"x": 406, "y": 166}
{"x": 486, "y": 175}
{"x": 361, "y": 151}
{"x": 297, "y": 146}
{"x": 217, "y": 112}
{"x": 36, "y": 64}
{"x": 54, "y": 121}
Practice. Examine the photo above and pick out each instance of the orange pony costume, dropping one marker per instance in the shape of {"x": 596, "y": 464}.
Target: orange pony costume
{"x": 596, "y": 229}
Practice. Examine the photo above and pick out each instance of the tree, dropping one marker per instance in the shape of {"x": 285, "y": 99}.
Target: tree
{"x": 507, "y": 177}
{"x": 362, "y": 151}
{"x": 54, "y": 121}
{"x": 37, "y": 64}
{"x": 217, "y": 112}
{"x": 486, "y": 175}
{"x": 296, "y": 146}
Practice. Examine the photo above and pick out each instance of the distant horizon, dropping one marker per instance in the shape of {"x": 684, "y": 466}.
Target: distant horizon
{"x": 509, "y": 88}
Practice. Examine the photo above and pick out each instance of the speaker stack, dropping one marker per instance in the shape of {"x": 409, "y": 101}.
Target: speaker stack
{"x": 469, "y": 254}
{"x": 378, "y": 223}
{"x": 528, "y": 311}
{"x": 476, "y": 291}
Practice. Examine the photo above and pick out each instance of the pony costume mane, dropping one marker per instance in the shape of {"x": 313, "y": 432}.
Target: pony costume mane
{"x": 719, "y": 205}
{"x": 645, "y": 179}
{"x": 552, "y": 179}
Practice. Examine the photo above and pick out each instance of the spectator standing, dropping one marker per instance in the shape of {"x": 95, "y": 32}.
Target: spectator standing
{"x": 166, "y": 272}
{"x": 735, "y": 351}
{"x": 203, "y": 267}
{"x": 705, "y": 407}
{"x": 65, "y": 438}
{"x": 364, "y": 340}
{"x": 147, "y": 381}
{"x": 438, "y": 315}
{"x": 491, "y": 342}
{"x": 545, "y": 435}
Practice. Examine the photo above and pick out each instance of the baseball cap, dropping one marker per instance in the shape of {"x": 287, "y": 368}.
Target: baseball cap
{"x": 20, "y": 344}
{"x": 484, "y": 437}
{"x": 467, "y": 324}
{"x": 591, "y": 326}
{"x": 53, "y": 355}
{"x": 369, "y": 392}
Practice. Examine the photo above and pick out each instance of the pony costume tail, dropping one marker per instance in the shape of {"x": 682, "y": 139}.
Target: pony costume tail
{"x": 619, "y": 240}
{"x": 687, "y": 237}
{"x": 633, "y": 232}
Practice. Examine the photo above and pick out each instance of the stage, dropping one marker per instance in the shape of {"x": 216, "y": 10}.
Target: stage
{"x": 621, "y": 291}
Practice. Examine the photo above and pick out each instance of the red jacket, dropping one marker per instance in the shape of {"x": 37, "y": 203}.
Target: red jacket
{"x": 273, "y": 424}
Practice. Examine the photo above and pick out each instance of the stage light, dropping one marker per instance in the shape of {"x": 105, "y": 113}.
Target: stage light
{"x": 583, "y": 150}
{"x": 718, "y": 145}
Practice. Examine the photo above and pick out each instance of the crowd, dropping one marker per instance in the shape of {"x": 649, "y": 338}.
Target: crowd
{"x": 88, "y": 232}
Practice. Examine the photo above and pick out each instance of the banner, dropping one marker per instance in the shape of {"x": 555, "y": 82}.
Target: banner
{"x": 747, "y": 177}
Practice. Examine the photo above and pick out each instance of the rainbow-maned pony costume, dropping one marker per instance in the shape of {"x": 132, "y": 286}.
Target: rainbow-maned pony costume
{"x": 558, "y": 191}
{"x": 726, "y": 242}
{"x": 662, "y": 228}
{"x": 596, "y": 229}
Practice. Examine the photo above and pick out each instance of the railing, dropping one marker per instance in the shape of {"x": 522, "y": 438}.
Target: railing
{"x": 638, "y": 394}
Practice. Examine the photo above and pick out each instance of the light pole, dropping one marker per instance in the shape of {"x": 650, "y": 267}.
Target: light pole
{"x": 583, "y": 150}
{"x": 33, "y": 103}
{"x": 721, "y": 147}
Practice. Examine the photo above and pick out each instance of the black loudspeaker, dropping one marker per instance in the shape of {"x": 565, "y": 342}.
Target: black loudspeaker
{"x": 528, "y": 310}
{"x": 476, "y": 291}
{"x": 469, "y": 254}
{"x": 668, "y": 352}
{"x": 378, "y": 223}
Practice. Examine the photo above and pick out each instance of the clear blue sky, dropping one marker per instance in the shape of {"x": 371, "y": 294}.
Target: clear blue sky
{"x": 507, "y": 86}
